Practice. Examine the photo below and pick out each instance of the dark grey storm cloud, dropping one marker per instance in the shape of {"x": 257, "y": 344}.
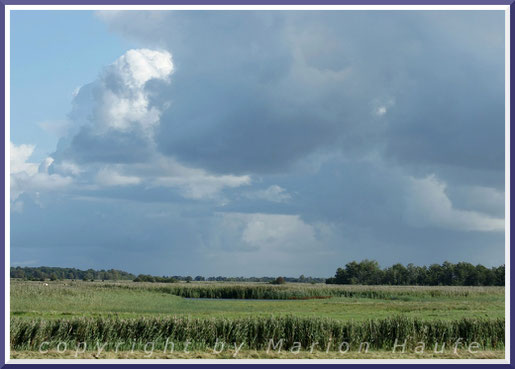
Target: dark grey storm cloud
{"x": 423, "y": 88}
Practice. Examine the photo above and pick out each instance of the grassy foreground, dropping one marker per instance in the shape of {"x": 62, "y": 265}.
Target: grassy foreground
{"x": 289, "y": 332}
{"x": 123, "y": 319}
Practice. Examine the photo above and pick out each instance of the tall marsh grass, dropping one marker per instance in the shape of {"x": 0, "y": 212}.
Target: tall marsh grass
{"x": 295, "y": 291}
{"x": 262, "y": 290}
{"x": 255, "y": 332}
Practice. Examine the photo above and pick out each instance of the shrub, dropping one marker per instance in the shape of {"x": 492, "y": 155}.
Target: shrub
{"x": 278, "y": 280}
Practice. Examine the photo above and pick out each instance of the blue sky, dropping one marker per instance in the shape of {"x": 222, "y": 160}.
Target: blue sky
{"x": 256, "y": 143}
{"x": 53, "y": 53}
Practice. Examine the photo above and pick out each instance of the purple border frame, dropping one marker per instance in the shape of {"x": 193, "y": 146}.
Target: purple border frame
{"x": 3, "y": 3}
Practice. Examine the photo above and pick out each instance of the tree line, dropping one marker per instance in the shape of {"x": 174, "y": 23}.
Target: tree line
{"x": 368, "y": 272}
{"x": 154, "y": 279}
{"x": 199, "y": 278}
{"x": 55, "y": 273}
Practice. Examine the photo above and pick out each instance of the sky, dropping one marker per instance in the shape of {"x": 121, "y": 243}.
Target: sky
{"x": 256, "y": 143}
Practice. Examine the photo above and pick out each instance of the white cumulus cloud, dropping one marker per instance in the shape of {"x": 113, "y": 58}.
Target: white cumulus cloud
{"x": 32, "y": 177}
{"x": 276, "y": 231}
{"x": 119, "y": 97}
{"x": 136, "y": 67}
{"x": 273, "y": 193}
{"x": 111, "y": 177}
{"x": 195, "y": 183}
{"x": 427, "y": 204}
{"x": 19, "y": 159}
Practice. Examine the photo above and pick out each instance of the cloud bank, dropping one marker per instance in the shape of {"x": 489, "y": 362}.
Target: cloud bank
{"x": 262, "y": 142}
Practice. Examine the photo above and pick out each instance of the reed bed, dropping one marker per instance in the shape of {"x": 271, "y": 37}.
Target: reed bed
{"x": 297, "y": 291}
{"x": 125, "y": 334}
{"x": 249, "y": 290}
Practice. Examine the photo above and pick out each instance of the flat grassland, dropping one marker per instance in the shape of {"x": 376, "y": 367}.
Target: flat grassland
{"x": 306, "y": 319}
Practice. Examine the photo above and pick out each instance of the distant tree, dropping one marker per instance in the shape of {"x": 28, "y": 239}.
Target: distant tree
{"x": 397, "y": 274}
{"x": 278, "y": 280}
{"x": 434, "y": 275}
{"x": 188, "y": 279}
{"x": 17, "y": 273}
{"x": 499, "y": 275}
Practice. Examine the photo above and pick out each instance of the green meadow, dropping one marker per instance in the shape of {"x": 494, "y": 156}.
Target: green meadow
{"x": 78, "y": 311}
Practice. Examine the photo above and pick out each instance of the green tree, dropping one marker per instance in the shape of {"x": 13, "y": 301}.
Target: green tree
{"x": 278, "y": 280}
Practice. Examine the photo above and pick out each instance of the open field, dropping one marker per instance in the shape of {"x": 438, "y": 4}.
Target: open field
{"x": 128, "y": 312}
{"x": 128, "y": 299}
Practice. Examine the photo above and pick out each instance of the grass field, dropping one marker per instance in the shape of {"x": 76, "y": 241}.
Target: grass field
{"x": 131, "y": 312}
